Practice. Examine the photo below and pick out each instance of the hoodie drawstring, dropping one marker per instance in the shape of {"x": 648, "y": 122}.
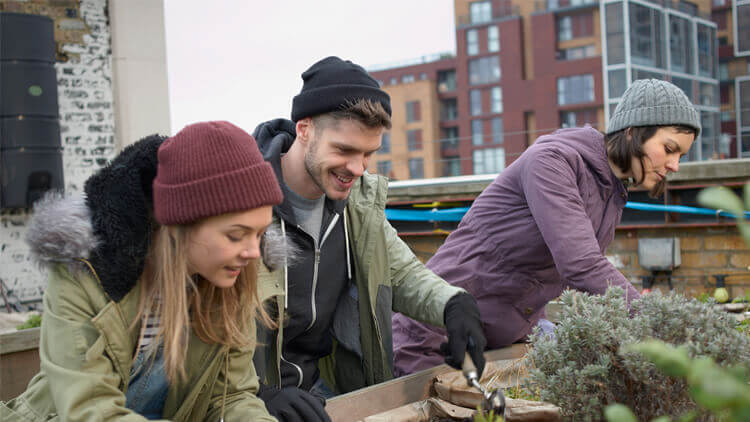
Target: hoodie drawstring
{"x": 286, "y": 270}
{"x": 226, "y": 381}
{"x": 346, "y": 239}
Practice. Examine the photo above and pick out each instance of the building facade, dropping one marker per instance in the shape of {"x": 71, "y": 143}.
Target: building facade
{"x": 525, "y": 68}
{"x": 732, "y": 20}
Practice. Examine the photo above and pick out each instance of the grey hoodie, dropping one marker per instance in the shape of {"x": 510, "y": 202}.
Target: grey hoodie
{"x": 541, "y": 226}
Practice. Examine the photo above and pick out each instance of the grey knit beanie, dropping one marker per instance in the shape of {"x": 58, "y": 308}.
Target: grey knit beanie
{"x": 653, "y": 102}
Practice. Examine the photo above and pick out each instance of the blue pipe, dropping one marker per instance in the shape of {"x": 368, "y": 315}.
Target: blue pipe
{"x": 456, "y": 214}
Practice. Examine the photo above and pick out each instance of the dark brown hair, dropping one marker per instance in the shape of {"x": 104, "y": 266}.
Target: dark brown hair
{"x": 626, "y": 144}
{"x": 369, "y": 113}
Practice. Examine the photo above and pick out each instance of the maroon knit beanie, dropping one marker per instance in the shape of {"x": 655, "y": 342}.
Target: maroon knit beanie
{"x": 208, "y": 169}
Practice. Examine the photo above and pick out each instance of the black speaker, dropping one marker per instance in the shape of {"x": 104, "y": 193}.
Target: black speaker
{"x": 30, "y": 150}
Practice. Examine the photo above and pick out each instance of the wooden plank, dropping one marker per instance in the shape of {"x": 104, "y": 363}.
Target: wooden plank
{"x": 17, "y": 341}
{"x": 16, "y": 370}
{"x": 400, "y": 391}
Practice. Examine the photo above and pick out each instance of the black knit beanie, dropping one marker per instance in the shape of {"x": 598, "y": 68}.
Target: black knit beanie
{"x": 331, "y": 83}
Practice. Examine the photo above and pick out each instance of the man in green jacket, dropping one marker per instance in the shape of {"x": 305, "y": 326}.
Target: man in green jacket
{"x": 334, "y": 299}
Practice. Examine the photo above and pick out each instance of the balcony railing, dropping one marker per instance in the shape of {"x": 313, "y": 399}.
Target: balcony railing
{"x": 505, "y": 10}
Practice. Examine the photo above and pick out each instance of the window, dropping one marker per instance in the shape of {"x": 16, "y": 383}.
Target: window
{"x": 413, "y": 113}
{"x": 480, "y": 11}
{"x": 451, "y": 166}
{"x": 380, "y": 82}
{"x": 615, "y": 33}
{"x": 394, "y": 81}
{"x": 617, "y": 83}
{"x": 680, "y": 43}
{"x": 564, "y": 28}
{"x": 446, "y": 80}
{"x": 414, "y": 139}
{"x": 742, "y": 34}
{"x": 493, "y": 39}
{"x": 686, "y": 85}
{"x": 448, "y": 109}
{"x": 708, "y": 94}
{"x": 706, "y": 50}
{"x": 489, "y": 160}
{"x": 579, "y": 118}
{"x": 477, "y": 135}
{"x": 709, "y": 138}
{"x": 385, "y": 144}
{"x": 384, "y": 168}
{"x": 484, "y": 70}
{"x": 407, "y": 79}
{"x": 497, "y": 130}
{"x": 744, "y": 113}
{"x": 646, "y": 46}
{"x": 416, "y": 168}
{"x": 450, "y": 138}
{"x": 497, "y": 99}
{"x": 723, "y": 71}
{"x": 475, "y": 100}
{"x": 575, "y": 89}
{"x": 576, "y": 53}
{"x": 423, "y": 76}
{"x": 472, "y": 42}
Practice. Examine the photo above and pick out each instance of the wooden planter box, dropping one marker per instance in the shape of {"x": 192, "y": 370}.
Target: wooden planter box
{"x": 379, "y": 398}
{"x": 19, "y": 361}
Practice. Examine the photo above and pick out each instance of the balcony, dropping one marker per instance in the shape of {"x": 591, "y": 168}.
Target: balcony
{"x": 504, "y": 11}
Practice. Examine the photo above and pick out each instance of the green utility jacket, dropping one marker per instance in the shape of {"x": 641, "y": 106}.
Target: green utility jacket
{"x": 387, "y": 277}
{"x": 86, "y": 351}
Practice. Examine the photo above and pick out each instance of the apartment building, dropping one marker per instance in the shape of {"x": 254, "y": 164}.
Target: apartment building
{"x": 523, "y": 68}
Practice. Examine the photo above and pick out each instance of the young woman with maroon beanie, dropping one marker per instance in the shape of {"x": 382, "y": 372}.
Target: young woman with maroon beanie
{"x": 150, "y": 308}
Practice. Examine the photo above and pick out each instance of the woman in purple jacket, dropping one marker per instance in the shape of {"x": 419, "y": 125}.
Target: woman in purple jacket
{"x": 544, "y": 224}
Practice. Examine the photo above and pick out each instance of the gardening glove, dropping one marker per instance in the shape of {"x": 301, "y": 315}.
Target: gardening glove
{"x": 292, "y": 404}
{"x": 465, "y": 333}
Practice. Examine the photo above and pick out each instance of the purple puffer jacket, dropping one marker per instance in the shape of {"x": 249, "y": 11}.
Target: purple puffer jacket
{"x": 541, "y": 226}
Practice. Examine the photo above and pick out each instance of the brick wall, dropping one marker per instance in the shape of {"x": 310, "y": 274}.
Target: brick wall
{"x": 84, "y": 78}
{"x": 705, "y": 251}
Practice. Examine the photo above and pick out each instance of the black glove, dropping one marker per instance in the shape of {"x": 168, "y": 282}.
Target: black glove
{"x": 465, "y": 333}
{"x": 291, "y": 404}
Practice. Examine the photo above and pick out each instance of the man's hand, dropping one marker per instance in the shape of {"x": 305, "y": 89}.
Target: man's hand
{"x": 291, "y": 404}
{"x": 464, "y": 326}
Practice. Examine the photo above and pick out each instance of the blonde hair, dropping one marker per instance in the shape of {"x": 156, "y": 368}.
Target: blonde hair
{"x": 181, "y": 301}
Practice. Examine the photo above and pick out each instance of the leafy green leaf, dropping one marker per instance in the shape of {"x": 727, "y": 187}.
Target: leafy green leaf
{"x": 673, "y": 361}
{"x": 619, "y": 413}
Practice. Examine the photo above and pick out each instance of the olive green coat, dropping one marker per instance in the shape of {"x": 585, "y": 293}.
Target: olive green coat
{"x": 86, "y": 352}
{"x": 387, "y": 277}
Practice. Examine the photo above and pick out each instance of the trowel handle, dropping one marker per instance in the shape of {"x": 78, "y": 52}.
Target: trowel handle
{"x": 468, "y": 368}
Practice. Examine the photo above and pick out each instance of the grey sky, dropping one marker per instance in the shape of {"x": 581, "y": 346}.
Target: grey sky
{"x": 241, "y": 60}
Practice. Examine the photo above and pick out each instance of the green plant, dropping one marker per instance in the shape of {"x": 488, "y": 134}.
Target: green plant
{"x": 522, "y": 392}
{"x": 703, "y": 297}
{"x": 742, "y": 299}
{"x": 490, "y": 416}
{"x": 722, "y": 391}
{"x": 582, "y": 370}
{"x": 33, "y": 321}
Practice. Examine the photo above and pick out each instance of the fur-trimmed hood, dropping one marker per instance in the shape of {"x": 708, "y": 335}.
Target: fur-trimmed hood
{"x": 112, "y": 223}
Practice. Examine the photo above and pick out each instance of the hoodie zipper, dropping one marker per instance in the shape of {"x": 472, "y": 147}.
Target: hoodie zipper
{"x": 318, "y": 247}
{"x": 330, "y": 227}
